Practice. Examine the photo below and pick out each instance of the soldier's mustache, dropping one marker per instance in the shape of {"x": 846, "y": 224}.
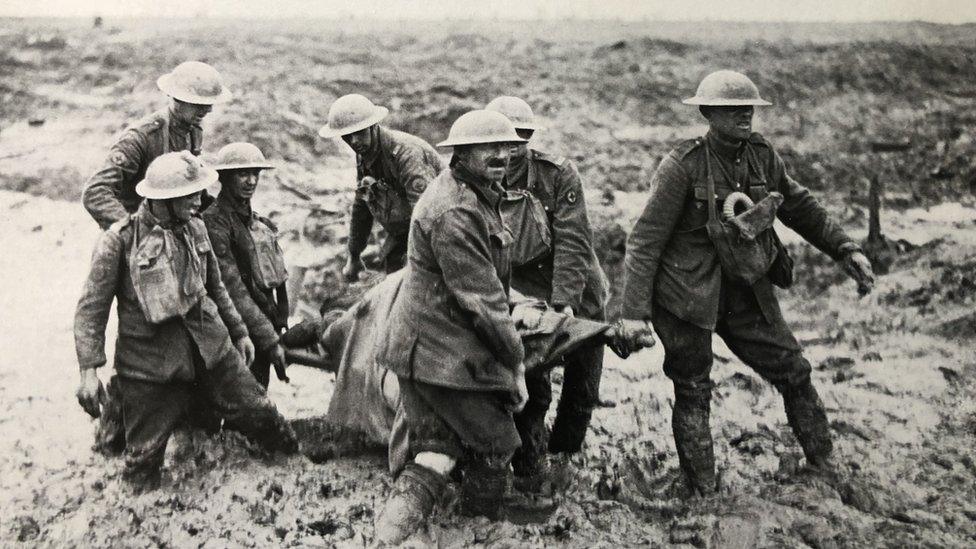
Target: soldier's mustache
{"x": 496, "y": 163}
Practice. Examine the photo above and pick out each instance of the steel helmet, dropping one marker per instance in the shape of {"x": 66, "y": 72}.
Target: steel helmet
{"x": 518, "y": 111}
{"x": 175, "y": 174}
{"x": 194, "y": 82}
{"x": 726, "y": 88}
{"x": 351, "y": 113}
{"x": 241, "y": 156}
{"x": 481, "y": 126}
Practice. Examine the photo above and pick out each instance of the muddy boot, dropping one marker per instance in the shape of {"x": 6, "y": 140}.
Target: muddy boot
{"x": 693, "y": 440}
{"x": 110, "y": 433}
{"x": 414, "y": 495}
{"x": 483, "y": 487}
{"x": 534, "y": 479}
{"x": 805, "y": 414}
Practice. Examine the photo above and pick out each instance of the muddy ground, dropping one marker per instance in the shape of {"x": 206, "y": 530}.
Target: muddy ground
{"x": 896, "y": 370}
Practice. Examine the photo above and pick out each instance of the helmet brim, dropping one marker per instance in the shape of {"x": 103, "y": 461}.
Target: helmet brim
{"x": 480, "y": 141}
{"x": 531, "y": 126}
{"x": 208, "y": 177}
{"x": 705, "y": 102}
{"x": 165, "y": 83}
{"x": 244, "y": 166}
{"x": 327, "y": 132}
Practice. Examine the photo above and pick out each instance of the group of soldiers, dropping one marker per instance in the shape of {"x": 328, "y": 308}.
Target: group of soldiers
{"x": 200, "y": 288}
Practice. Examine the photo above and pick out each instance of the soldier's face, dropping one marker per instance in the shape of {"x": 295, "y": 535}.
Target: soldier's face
{"x": 360, "y": 141}
{"x": 521, "y": 149}
{"x": 732, "y": 123}
{"x": 488, "y": 160}
{"x": 242, "y": 183}
{"x": 184, "y": 207}
{"x": 190, "y": 113}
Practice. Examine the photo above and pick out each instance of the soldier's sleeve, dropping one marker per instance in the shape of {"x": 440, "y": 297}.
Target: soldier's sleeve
{"x": 95, "y": 303}
{"x": 218, "y": 293}
{"x": 572, "y": 239}
{"x": 360, "y": 226}
{"x": 102, "y": 191}
{"x": 460, "y": 242}
{"x": 259, "y": 327}
{"x": 802, "y": 212}
{"x": 669, "y": 190}
{"x": 415, "y": 174}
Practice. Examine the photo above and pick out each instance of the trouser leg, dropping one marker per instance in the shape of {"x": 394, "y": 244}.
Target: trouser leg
{"x": 580, "y": 395}
{"x": 529, "y": 459}
{"x": 688, "y": 362}
{"x": 245, "y": 406}
{"x": 151, "y": 412}
{"x": 110, "y": 433}
{"x": 396, "y": 257}
{"x": 261, "y": 367}
{"x": 765, "y": 343}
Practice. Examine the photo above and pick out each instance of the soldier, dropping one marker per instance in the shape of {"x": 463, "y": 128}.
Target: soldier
{"x": 110, "y": 195}
{"x": 452, "y": 342}
{"x": 392, "y": 169}
{"x": 176, "y": 324}
{"x": 252, "y": 266}
{"x": 552, "y": 260}
{"x": 194, "y": 88}
{"x": 692, "y": 272}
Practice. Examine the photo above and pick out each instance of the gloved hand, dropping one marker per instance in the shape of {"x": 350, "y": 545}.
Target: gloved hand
{"x": 246, "y": 348}
{"x": 520, "y": 393}
{"x": 278, "y": 360}
{"x": 90, "y": 393}
{"x": 526, "y": 316}
{"x": 565, "y": 310}
{"x": 858, "y": 267}
{"x": 627, "y": 336}
{"x": 352, "y": 268}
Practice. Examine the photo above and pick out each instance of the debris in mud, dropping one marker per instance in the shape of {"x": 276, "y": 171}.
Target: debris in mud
{"x": 27, "y": 528}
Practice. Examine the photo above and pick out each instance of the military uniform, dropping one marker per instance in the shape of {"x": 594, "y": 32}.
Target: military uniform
{"x": 402, "y": 165}
{"x": 165, "y": 368}
{"x": 452, "y": 342}
{"x": 109, "y": 194}
{"x": 568, "y": 274}
{"x": 231, "y": 225}
{"x": 675, "y": 279}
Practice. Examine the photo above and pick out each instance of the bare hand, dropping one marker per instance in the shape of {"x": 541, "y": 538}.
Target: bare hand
{"x": 565, "y": 310}
{"x": 246, "y": 348}
{"x": 520, "y": 394}
{"x": 526, "y": 316}
{"x": 90, "y": 393}
{"x": 858, "y": 267}
{"x": 627, "y": 336}
{"x": 353, "y": 267}
{"x": 279, "y": 362}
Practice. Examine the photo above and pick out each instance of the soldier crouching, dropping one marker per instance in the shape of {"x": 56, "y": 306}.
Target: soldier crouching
{"x": 176, "y": 324}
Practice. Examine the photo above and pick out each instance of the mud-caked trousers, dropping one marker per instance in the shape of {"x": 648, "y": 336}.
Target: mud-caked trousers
{"x": 764, "y": 343}
{"x": 151, "y": 412}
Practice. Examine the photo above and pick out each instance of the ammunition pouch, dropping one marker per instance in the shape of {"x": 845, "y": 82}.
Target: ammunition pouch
{"x": 161, "y": 291}
{"x": 268, "y": 262}
{"x": 526, "y": 217}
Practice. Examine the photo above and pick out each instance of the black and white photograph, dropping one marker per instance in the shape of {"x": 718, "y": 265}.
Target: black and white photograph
{"x": 513, "y": 273}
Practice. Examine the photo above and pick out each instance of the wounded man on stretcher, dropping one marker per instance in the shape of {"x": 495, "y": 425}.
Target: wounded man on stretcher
{"x": 364, "y": 412}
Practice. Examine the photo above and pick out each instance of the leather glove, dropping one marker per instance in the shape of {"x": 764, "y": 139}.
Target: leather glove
{"x": 352, "y": 268}
{"x": 90, "y": 393}
{"x": 278, "y": 360}
{"x": 520, "y": 393}
{"x": 246, "y": 348}
{"x": 526, "y": 316}
{"x": 858, "y": 267}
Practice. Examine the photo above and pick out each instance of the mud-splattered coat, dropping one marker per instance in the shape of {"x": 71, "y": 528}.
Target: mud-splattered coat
{"x": 144, "y": 351}
{"x": 110, "y": 194}
{"x": 571, "y": 274}
{"x": 227, "y": 222}
{"x": 405, "y": 164}
{"x": 672, "y": 263}
{"x": 451, "y": 324}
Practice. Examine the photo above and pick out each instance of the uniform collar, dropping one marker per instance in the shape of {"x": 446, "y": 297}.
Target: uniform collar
{"x": 178, "y": 125}
{"x": 486, "y": 190}
{"x": 517, "y": 174}
{"x": 234, "y": 205}
{"x": 149, "y": 220}
{"x": 377, "y": 147}
{"x": 723, "y": 148}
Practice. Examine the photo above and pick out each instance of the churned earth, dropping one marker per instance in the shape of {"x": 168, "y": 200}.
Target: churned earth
{"x": 896, "y": 370}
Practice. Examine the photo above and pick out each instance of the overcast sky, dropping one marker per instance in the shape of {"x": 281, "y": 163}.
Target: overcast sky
{"x": 942, "y": 11}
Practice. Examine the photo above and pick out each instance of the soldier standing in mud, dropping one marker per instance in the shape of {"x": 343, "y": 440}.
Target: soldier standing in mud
{"x": 453, "y": 344}
{"x": 392, "y": 169}
{"x": 552, "y": 260}
{"x": 181, "y": 342}
{"x": 110, "y": 195}
{"x": 252, "y": 266}
{"x": 692, "y": 272}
